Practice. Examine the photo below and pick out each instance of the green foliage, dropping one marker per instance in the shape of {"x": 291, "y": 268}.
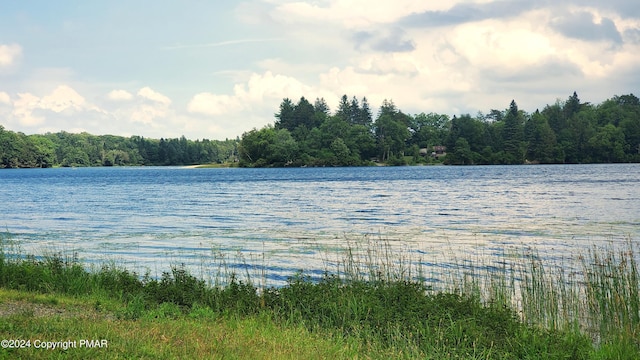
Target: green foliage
{"x": 398, "y": 312}
{"x": 565, "y": 132}
{"x": 462, "y": 154}
{"x": 392, "y": 132}
{"x": 306, "y": 134}
{"x": 540, "y": 139}
{"x": 513, "y": 135}
{"x": 65, "y": 149}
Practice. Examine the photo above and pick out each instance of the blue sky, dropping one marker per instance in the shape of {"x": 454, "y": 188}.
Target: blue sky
{"x": 214, "y": 70}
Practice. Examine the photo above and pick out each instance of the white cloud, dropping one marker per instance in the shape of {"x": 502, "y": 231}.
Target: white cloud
{"x": 63, "y": 98}
{"x": 64, "y": 108}
{"x": 251, "y": 104}
{"x": 270, "y": 86}
{"x": 212, "y": 104}
{"x": 120, "y": 95}
{"x": 398, "y": 63}
{"x": 31, "y": 110}
{"x": 23, "y": 108}
{"x": 148, "y": 93}
{"x": 146, "y": 114}
{"x": 258, "y": 90}
{"x": 9, "y": 54}
{"x": 496, "y": 44}
{"x": 150, "y": 106}
{"x": 4, "y": 98}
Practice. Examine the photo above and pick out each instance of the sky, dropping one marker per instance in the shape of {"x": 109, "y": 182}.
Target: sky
{"x": 216, "y": 69}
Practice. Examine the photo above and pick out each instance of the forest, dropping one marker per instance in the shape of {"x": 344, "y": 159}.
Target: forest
{"x": 306, "y": 134}
{"x": 570, "y": 131}
{"x": 18, "y": 150}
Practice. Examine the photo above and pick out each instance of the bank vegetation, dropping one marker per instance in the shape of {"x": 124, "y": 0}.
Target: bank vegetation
{"x": 376, "y": 305}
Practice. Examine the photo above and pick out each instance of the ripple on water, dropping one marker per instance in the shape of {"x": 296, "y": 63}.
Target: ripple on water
{"x": 285, "y": 220}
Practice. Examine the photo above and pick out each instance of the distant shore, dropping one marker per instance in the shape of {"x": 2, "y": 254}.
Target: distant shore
{"x": 206, "y": 166}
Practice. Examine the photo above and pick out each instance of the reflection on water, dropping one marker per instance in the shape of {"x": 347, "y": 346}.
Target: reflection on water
{"x": 284, "y": 220}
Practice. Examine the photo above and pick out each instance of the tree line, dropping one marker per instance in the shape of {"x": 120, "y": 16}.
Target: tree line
{"x": 306, "y": 134}
{"x": 570, "y": 131}
{"x": 18, "y": 150}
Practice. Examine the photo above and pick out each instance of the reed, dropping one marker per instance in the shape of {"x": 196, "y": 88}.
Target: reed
{"x": 602, "y": 299}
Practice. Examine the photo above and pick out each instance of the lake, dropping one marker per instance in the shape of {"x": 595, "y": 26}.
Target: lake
{"x": 274, "y": 222}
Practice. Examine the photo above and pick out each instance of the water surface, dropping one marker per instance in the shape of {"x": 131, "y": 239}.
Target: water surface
{"x": 285, "y": 220}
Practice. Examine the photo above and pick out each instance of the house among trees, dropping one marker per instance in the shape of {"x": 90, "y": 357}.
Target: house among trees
{"x": 438, "y": 151}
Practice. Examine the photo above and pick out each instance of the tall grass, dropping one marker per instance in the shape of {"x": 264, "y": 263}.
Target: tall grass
{"x": 521, "y": 308}
{"x": 376, "y": 262}
{"x": 596, "y": 294}
{"x": 602, "y": 299}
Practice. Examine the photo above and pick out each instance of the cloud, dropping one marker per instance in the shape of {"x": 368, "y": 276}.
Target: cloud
{"x": 9, "y": 54}
{"x": 145, "y": 107}
{"x": 349, "y": 14}
{"x": 623, "y": 8}
{"x": 149, "y": 106}
{"x": 389, "y": 63}
{"x": 4, "y": 98}
{"x": 496, "y": 44}
{"x": 466, "y": 12}
{"x": 63, "y": 98}
{"x": 392, "y": 40}
{"x": 447, "y": 57}
{"x": 148, "y": 93}
{"x": 213, "y": 104}
{"x": 534, "y": 74}
{"x": 31, "y": 110}
{"x": 258, "y": 89}
{"x": 251, "y": 104}
{"x": 582, "y": 25}
{"x": 633, "y": 35}
{"x": 23, "y": 108}
{"x": 119, "y": 95}
{"x": 146, "y": 114}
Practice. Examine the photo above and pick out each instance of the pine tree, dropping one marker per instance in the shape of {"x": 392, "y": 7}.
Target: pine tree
{"x": 285, "y": 115}
{"x": 513, "y": 135}
{"x": 365, "y": 117}
{"x": 344, "y": 108}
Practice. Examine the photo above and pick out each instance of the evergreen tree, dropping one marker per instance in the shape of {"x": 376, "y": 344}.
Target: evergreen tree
{"x": 541, "y": 140}
{"x": 344, "y": 108}
{"x": 286, "y": 115}
{"x": 354, "y": 111}
{"x": 365, "y": 117}
{"x": 387, "y": 108}
{"x": 320, "y": 106}
{"x": 513, "y": 135}
{"x": 571, "y": 106}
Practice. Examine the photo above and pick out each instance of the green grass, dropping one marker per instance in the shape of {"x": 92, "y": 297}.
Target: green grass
{"x": 164, "y": 333}
{"x": 375, "y": 305}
